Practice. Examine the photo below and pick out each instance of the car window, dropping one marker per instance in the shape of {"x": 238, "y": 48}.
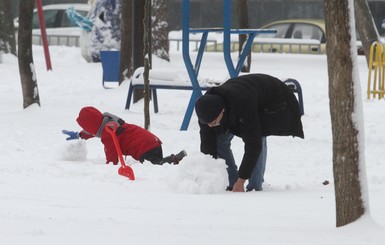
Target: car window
{"x": 306, "y": 31}
{"x": 66, "y": 22}
{"x": 35, "y": 21}
{"x": 49, "y": 17}
{"x": 281, "y": 30}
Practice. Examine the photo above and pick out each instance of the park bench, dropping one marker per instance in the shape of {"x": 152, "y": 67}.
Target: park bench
{"x": 179, "y": 80}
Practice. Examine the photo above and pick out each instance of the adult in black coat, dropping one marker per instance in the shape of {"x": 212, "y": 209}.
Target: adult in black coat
{"x": 251, "y": 107}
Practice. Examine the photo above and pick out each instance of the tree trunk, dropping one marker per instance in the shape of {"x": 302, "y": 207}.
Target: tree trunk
{"x": 160, "y": 45}
{"x": 137, "y": 47}
{"x": 126, "y": 41}
{"x": 25, "y": 58}
{"x": 146, "y": 50}
{"x": 365, "y": 26}
{"x": 344, "y": 100}
{"x": 243, "y": 21}
{"x": 7, "y": 30}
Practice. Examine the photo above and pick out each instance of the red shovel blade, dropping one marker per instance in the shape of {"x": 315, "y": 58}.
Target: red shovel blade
{"x": 126, "y": 171}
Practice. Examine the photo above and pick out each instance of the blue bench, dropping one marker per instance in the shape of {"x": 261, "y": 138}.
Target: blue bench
{"x": 163, "y": 81}
{"x": 296, "y": 87}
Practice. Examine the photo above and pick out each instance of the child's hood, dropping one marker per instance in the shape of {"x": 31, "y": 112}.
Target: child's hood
{"x": 90, "y": 119}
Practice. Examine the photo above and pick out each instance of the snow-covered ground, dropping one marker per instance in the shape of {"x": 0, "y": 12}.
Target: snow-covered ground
{"x": 54, "y": 191}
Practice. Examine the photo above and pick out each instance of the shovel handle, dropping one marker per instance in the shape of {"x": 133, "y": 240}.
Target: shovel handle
{"x": 111, "y": 128}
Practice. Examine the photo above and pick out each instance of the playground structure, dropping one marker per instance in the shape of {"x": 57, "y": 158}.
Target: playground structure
{"x": 232, "y": 69}
{"x": 159, "y": 81}
{"x": 376, "y": 73}
{"x": 193, "y": 70}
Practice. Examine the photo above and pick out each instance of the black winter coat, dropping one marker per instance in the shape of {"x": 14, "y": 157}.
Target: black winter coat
{"x": 256, "y": 105}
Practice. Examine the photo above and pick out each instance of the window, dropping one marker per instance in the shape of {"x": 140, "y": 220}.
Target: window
{"x": 49, "y": 17}
{"x": 281, "y": 31}
{"x": 66, "y": 22}
{"x": 307, "y": 31}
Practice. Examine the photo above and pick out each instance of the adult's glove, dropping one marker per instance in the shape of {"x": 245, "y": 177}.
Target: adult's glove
{"x": 72, "y": 134}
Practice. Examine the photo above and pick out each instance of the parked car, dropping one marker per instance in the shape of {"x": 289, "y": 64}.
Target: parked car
{"x": 60, "y": 30}
{"x": 295, "y": 36}
{"x": 291, "y": 36}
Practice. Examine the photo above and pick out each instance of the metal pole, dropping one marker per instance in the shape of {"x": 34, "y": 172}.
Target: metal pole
{"x": 44, "y": 39}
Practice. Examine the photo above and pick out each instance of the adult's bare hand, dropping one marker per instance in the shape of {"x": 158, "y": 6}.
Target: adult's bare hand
{"x": 239, "y": 186}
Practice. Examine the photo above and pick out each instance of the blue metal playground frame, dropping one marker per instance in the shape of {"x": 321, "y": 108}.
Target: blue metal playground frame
{"x": 193, "y": 70}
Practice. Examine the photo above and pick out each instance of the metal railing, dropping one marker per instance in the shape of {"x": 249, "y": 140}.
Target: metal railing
{"x": 57, "y": 40}
{"x": 195, "y": 43}
{"x": 75, "y": 41}
{"x": 286, "y": 45}
{"x": 264, "y": 45}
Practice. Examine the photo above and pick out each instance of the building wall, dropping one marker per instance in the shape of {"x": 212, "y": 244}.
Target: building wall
{"x": 208, "y": 13}
{"x": 205, "y": 13}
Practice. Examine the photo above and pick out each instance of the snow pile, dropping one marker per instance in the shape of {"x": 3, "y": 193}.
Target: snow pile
{"x": 75, "y": 150}
{"x": 199, "y": 174}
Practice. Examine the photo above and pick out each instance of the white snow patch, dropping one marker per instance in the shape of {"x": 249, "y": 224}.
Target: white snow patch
{"x": 199, "y": 174}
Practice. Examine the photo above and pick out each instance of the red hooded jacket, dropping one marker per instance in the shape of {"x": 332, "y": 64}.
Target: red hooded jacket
{"x": 134, "y": 141}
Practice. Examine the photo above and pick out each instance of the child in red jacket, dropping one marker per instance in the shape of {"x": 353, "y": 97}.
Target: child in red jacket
{"x": 134, "y": 141}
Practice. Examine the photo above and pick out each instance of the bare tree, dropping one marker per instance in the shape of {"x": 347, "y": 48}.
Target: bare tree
{"x": 26, "y": 65}
{"x": 243, "y": 21}
{"x": 365, "y": 26}
{"x": 345, "y": 110}
{"x": 160, "y": 45}
{"x": 137, "y": 41}
{"x": 7, "y": 30}
{"x": 146, "y": 50}
{"x": 126, "y": 41}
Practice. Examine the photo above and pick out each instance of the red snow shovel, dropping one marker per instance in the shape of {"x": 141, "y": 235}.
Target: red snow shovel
{"x": 124, "y": 170}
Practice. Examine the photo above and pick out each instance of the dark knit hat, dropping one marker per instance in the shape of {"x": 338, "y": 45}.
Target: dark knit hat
{"x": 208, "y": 107}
